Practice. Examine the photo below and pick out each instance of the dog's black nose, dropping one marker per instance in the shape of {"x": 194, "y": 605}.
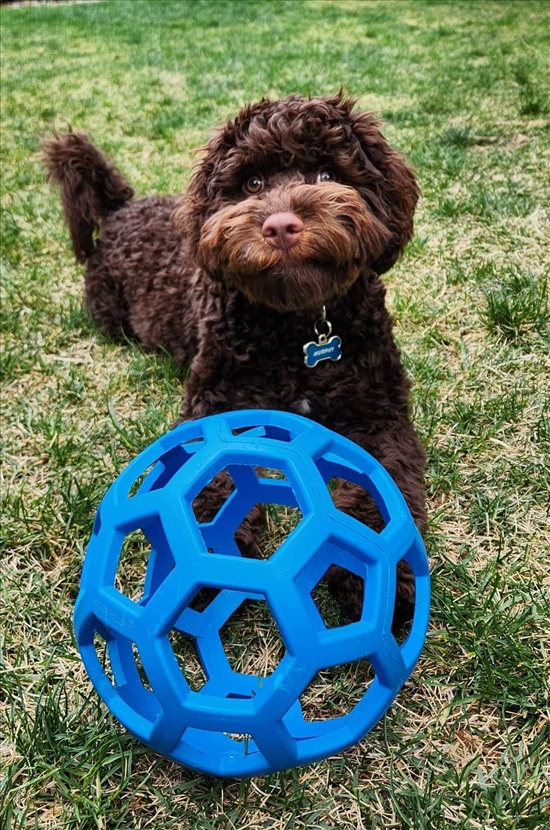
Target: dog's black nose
{"x": 282, "y": 230}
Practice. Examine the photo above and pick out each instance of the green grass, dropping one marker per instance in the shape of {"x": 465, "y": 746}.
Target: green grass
{"x": 463, "y": 88}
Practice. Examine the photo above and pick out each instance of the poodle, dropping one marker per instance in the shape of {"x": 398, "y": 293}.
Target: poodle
{"x": 295, "y": 210}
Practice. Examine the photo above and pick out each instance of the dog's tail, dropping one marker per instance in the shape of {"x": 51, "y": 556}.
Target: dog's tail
{"x": 91, "y": 187}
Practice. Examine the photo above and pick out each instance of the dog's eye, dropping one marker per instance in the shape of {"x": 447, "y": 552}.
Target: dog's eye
{"x": 326, "y": 176}
{"x": 255, "y": 184}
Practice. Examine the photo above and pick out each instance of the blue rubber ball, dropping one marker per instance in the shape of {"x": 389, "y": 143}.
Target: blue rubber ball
{"x": 158, "y": 658}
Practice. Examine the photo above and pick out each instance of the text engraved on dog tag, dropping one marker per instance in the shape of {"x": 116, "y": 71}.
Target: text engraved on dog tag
{"x": 326, "y": 348}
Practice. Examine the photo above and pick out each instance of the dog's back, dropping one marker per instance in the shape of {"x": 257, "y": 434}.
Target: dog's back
{"x": 135, "y": 278}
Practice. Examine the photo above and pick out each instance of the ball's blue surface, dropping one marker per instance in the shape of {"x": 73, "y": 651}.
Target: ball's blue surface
{"x": 236, "y": 722}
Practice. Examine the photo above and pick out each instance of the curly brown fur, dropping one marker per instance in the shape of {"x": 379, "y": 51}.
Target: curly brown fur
{"x": 296, "y": 204}
{"x": 91, "y": 188}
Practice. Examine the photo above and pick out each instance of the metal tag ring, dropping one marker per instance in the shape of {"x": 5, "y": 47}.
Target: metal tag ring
{"x": 318, "y": 328}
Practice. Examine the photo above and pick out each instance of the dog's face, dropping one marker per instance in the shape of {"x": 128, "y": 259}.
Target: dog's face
{"x": 295, "y": 199}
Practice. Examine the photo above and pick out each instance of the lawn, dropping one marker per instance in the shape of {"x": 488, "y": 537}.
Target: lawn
{"x": 463, "y": 89}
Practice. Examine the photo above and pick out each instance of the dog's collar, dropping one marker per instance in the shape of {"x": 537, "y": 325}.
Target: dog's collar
{"x": 326, "y": 347}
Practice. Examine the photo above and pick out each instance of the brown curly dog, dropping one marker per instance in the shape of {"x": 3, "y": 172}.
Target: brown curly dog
{"x": 297, "y": 206}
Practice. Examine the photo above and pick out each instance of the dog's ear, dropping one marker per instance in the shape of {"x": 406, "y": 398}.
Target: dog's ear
{"x": 392, "y": 191}
{"x": 201, "y": 198}
{"x": 188, "y": 217}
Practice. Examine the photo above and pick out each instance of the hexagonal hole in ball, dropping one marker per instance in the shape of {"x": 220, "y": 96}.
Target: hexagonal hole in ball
{"x": 185, "y": 651}
{"x": 251, "y": 640}
{"x": 334, "y": 612}
{"x": 335, "y": 691}
{"x": 137, "y": 574}
{"x": 278, "y": 521}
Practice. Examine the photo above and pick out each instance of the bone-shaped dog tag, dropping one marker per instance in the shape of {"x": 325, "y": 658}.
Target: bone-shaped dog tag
{"x": 326, "y": 347}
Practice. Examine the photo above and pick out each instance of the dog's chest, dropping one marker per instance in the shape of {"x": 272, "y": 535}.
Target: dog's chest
{"x": 280, "y": 379}
{"x": 303, "y": 406}
{"x": 266, "y": 367}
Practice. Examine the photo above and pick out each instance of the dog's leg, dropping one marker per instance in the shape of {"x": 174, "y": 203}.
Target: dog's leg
{"x": 398, "y": 449}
